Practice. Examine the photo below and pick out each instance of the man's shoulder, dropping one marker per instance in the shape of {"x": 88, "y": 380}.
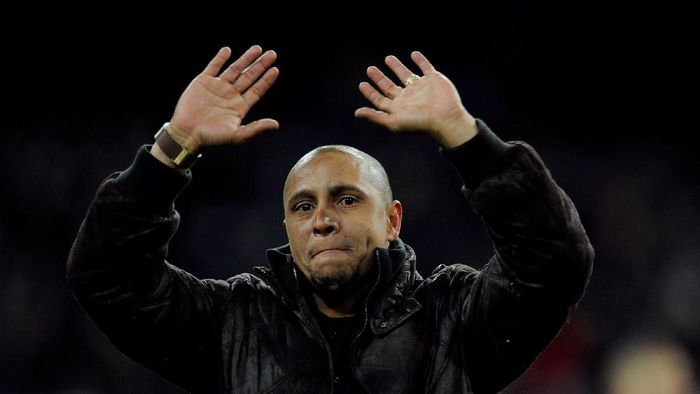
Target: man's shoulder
{"x": 246, "y": 279}
{"x": 453, "y": 269}
{"x": 238, "y": 282}
{"x": 262, "y": 280}
{"x": 446, "y": 274}
{"x": 446, "y": 289}
{"x": 242, "y": 286}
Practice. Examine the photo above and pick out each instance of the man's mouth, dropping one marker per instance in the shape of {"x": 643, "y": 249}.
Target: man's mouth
{"x": 328, "y": 250}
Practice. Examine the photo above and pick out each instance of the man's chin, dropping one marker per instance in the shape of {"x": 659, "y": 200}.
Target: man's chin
{"x": 333, "y": 289}
{"x": 335, "y": 282}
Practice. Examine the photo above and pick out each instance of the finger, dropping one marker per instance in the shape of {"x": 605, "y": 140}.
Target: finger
{"x": 386, "y": 85}
{"x": 236, "y": 68}
{"x": 252, "y": 95}
{"x": 377, "y": 99}
{"x": 254, "y": 71}
{"x": 217, "y": 62}
{"x": 374, "y": 116}
{"x": 422, "y": 62}
{"x": 401, "y": 71}
{"x": 252, "y": 129}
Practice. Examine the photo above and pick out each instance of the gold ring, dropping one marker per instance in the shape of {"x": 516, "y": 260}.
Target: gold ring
{"x": 413, "y": 78}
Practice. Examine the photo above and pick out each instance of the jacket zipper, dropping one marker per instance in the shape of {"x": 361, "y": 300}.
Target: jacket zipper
{"x": 313, "y": 326}
{"x": 310, "y": 324}
{"x": 364, "y": 325}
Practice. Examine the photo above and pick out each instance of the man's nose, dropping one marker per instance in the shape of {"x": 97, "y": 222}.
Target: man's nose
{"x": 325, "y": 221}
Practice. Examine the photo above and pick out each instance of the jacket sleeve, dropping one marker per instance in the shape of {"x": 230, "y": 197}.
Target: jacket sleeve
{"x": 511, "y": 309}
{"x": 159, "y": 315}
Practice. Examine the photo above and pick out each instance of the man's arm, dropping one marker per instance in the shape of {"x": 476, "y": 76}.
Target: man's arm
{"x": 154, "y": 312}
{"x": 514, "y": 306}
{"x": 508, "y": 312}
{"x": 158, "y": 314}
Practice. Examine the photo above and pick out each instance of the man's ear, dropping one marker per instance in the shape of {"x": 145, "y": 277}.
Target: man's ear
{"x": 393, "y": 220}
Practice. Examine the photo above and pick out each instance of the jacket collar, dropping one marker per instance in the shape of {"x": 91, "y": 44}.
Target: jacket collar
{"x": 393, "y": 303}
{"x": 396, "y": 270}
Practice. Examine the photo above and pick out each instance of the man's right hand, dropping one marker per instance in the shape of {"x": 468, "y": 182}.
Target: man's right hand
{"x": 210, "y": 111}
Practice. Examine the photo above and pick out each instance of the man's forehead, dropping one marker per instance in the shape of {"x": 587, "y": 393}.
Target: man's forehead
{"x": 339, "y": 164}
{"x": 325, "y": 161}
{"x": 327, "y": 167}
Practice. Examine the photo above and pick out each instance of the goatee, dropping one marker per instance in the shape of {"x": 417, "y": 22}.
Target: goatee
{"x": 333, "y": 290}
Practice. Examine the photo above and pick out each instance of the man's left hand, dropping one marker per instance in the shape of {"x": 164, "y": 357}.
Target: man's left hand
{"x": 429, "y": 104}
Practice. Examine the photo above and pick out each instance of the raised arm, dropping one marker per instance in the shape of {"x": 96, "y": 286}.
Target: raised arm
{"x": 505, "y": 314}
{"x": 158, "y": 314}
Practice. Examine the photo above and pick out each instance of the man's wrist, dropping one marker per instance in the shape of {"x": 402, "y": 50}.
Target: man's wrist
{"x": 455, "y": 131}
{"x": 184, "y": 139}
{"x": 163, "y": 158}
{"x": 173, "y": 148}
{"x": 483, "y": 156}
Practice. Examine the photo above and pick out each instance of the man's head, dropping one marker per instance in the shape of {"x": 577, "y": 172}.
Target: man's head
{"x": 338, "y": 209}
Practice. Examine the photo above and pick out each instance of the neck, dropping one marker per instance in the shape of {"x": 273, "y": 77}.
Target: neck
{"x": 344, "y": 309}
{"x": 341, "y": 308}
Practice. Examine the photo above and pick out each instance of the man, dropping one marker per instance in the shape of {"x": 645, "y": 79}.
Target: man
{"x": 341, "y": 308}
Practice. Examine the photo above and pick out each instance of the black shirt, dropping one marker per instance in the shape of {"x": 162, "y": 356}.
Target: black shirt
{"x": 339, "y": 333}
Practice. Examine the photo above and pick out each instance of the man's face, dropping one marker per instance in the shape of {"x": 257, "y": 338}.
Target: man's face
{"x": 335, "y": 218}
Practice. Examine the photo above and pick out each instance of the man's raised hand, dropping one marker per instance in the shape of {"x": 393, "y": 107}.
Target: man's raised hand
{"x": 210, "y": 111}
{"x": 428, "y": 104}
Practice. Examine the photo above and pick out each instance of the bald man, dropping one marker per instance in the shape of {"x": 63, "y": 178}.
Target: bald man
{"x": 341, "y": 308}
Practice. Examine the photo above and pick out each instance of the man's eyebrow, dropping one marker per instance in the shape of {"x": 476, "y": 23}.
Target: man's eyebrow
{"x": 345, "y": 188}
{"x": 304, "y": 193}
{"x": 334, "y": 192}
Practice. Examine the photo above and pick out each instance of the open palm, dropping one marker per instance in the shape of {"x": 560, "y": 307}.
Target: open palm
{"x": 211, "y": 110}
{"x": 428, "y": 104}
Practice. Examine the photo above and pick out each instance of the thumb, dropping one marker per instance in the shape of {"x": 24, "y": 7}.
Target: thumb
{"x": 372, "y": 115}
{"x": 250, "y": 130}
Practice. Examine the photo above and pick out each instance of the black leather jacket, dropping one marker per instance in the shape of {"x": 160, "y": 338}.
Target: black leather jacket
{"x": 459, "y": 330}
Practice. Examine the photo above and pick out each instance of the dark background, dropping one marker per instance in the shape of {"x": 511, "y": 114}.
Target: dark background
{"x": 605, "y": 94}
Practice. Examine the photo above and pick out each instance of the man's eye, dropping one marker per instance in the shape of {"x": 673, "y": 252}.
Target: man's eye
{"x": 303, "y": 207}
{"x": 348, "y": 200}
